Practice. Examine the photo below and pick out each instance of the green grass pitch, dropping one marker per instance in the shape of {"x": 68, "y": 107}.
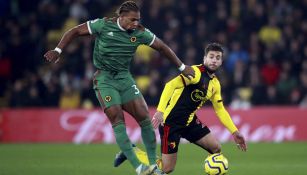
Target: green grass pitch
{"x": 97, "y": 159}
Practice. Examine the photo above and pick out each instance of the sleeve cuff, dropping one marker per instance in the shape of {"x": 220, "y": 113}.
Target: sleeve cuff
{"x": 89, "y": 28}
{"x": 153, "y": 40}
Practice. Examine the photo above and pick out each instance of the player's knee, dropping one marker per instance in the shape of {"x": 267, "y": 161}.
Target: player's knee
{"x": 216, "y": 149}
{"x": 141, "y": 114}
{"x": 115, "y": 118}
{"x": 142, "y": 117}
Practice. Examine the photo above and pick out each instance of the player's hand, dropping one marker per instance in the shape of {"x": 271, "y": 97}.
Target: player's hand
{"x": 188, "y": 72}
{"x": 240, "y": 141}
{"x": 157, "y": 119}
{"x": 52, "y": 56}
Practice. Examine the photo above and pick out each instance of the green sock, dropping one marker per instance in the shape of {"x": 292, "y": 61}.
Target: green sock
{"x": 149, "y": 139}
{"x": 124, "y": 143}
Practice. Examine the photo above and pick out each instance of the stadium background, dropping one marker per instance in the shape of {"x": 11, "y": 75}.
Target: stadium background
{"x": 264, "y": 80}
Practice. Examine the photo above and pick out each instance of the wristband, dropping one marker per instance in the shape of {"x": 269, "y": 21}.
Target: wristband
{"x": 182, "y": 67}
{"x": 58, "y": 50}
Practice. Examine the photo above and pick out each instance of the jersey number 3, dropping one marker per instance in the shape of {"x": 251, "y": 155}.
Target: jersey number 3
{"x": 137, "y": 91}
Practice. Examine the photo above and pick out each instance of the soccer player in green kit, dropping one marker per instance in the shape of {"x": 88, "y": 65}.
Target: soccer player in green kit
{"x": 116, "y": 42}
{"x": 176, "y": 112}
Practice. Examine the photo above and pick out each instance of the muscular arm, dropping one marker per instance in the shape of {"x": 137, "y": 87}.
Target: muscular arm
{"x": 73, "y": 33}
{"x": 161, "y": 47}
{"x": 80, "y": 30}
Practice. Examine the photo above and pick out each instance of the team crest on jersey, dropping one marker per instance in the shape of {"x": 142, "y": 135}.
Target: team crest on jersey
{"x": 107, "y": 98}
{"x": 133, "y": 39}
{"x": 198, "y": 95}
{"x": 172, "y": 144}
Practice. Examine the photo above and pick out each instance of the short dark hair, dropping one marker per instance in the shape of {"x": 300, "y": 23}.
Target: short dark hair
{"x": 214, "y": 47}
{"x": 127, "y": 6}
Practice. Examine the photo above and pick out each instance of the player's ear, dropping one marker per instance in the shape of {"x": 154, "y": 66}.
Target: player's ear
{"x": 205, "y": 59}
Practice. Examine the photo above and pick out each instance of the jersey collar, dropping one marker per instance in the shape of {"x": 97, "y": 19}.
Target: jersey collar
{"x": 120, "y": 27}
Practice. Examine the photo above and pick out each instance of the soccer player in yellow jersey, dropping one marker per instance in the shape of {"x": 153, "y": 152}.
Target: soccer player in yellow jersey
{"x": 178, "y": 104}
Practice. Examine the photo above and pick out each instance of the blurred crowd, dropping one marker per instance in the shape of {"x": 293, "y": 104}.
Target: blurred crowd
{"x": 265, "y": 60}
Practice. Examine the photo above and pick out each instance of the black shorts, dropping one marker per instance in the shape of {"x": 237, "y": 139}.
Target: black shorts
{"x": 170, "y": 134}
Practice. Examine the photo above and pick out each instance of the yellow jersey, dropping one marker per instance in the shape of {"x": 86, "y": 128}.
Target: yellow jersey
{"x": 182, "y": 97}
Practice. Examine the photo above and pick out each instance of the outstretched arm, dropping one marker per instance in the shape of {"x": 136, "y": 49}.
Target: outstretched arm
{"x": 160, "y": 46}
{"x": 228, "y": 123}
{"x": 80, "y": 30}
{"x": 226, "y": 120}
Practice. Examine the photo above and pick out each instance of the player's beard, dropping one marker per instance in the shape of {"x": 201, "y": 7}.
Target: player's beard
{"x": 210, "y": 71}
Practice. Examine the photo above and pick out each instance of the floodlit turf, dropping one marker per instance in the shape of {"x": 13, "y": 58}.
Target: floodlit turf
{"x": 97, "y": 159}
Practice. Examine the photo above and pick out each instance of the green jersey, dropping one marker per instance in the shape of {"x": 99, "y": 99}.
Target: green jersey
{"x": 114, "y": 46}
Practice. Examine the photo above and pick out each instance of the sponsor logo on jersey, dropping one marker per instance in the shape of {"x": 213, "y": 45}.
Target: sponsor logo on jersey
{"x": 110, "y": 33}
{"x": 107, "y": 98}
{"x": 198, "y": 95}
{"x": 133, "y": 39}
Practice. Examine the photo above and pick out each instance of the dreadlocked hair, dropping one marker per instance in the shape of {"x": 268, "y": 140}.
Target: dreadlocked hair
{"x": 127, "y": 7}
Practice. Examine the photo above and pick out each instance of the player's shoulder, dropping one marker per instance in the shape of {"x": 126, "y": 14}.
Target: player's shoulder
{"x": 103, "y": 20}
{"x": 199, "y": 68}
{"x": 198, "y": 74}
{"x": 142, "y": 31}
{"x": 110, "y": 19}
{"x": 141, "y": 28}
